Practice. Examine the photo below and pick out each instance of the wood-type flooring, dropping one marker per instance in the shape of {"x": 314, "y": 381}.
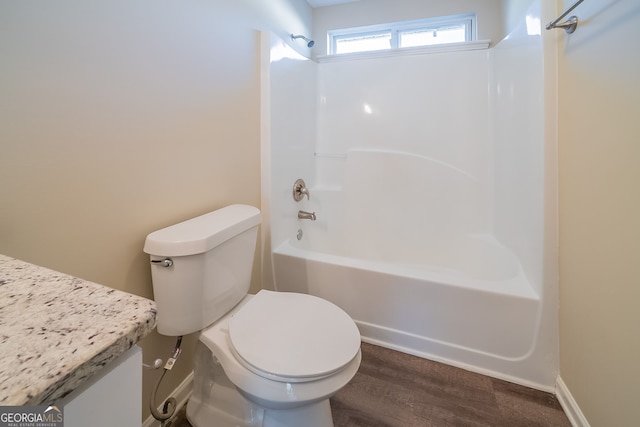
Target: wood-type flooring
{"x": 393, "y": 389}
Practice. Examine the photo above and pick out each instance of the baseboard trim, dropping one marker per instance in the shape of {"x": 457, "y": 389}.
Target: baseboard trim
{"x": 181, "y": 394}
{"x": 570, "y": 406}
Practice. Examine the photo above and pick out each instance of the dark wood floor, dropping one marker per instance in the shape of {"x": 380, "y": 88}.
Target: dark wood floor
{"x": 394, "y": 389}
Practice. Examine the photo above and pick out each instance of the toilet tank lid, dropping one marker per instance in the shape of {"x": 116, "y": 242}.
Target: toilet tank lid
{"x": 203, "y": 233}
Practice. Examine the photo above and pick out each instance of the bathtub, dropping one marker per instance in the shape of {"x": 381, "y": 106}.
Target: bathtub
{"x": 413, "y": 274}
{"x": 408, "y": 307}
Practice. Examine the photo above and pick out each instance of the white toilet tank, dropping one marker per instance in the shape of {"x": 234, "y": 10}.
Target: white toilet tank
{"x": 201, "y": 268}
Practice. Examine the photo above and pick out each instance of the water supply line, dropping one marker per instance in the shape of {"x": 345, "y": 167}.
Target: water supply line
{"x": 170, "y": 404}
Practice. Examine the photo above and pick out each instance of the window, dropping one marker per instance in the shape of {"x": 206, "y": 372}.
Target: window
{"x": 425, "y": 32}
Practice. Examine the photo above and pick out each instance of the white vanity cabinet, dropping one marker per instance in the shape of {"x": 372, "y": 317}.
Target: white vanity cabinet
{"x": 112, "y": 397}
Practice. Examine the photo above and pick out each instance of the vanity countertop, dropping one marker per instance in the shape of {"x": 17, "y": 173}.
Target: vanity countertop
{"x": 56, "y": 331}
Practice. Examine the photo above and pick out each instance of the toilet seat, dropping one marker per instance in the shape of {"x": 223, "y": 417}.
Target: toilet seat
{"x": 291, "y": 337}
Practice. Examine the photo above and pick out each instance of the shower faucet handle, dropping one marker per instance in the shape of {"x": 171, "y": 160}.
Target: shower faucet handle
{"x": 300, "y": 190}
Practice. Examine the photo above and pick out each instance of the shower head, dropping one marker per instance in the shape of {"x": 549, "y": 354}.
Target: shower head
{"x": 310, "y": 42}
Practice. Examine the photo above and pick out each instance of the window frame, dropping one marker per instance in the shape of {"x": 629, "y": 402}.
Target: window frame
{"x": 395, "y": 28}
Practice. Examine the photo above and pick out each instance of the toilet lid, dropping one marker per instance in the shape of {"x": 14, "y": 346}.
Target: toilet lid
{"x": 293, "y": 337}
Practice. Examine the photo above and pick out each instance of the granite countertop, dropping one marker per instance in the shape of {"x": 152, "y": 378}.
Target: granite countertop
{"x": 56, "y": 331}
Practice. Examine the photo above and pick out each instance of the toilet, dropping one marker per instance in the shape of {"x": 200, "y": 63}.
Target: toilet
{"x": 270, "y": 359}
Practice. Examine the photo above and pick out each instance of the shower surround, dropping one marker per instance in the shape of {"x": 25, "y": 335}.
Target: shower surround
{"x": 427, "y": 176}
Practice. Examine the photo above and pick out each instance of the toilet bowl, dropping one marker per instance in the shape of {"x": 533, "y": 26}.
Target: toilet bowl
{"x": 272, "y": 359}
{"x": 286, "y": 380}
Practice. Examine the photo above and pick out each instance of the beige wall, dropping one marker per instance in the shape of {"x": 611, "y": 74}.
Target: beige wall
{"x": 118, "y": 118}
{"x": 371, "y": 12}
{"x": 599, "y": 164}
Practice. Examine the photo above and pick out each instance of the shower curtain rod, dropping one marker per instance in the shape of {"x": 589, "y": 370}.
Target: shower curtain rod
{"x": 569, "y": 25}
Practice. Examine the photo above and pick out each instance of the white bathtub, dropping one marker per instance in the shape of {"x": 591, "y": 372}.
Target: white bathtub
{"x": 410, "y": 270}
{"x": 483, "y": 323}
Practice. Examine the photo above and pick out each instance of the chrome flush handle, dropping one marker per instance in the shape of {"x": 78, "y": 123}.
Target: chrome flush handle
{"x": 167, "y": 262}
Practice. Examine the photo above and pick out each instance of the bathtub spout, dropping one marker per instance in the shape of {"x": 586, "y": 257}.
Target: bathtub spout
{"x": 307, "y": 215}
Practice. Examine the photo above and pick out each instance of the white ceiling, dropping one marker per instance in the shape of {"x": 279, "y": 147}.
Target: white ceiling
{"x": 321, "y": 3}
